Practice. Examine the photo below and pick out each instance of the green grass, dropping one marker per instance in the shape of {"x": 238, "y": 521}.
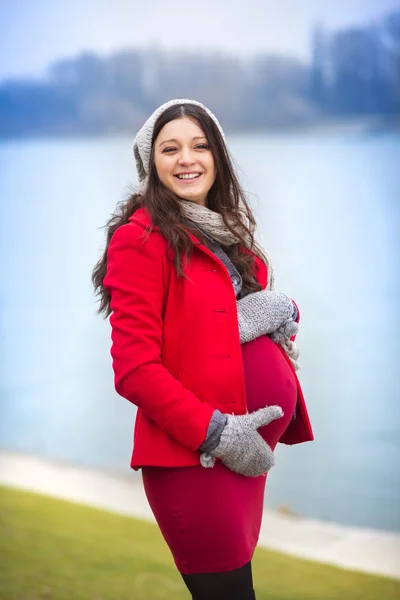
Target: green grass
{"x": 55, "y": 550}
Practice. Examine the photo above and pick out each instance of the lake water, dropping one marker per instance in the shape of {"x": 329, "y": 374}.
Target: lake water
{"x": 328, "y": 209}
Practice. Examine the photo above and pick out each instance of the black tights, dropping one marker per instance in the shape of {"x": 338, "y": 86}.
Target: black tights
{"x": 230, "y": 585}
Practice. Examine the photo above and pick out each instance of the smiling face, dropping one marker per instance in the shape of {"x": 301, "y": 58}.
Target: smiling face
{"x": 183, "y": 160}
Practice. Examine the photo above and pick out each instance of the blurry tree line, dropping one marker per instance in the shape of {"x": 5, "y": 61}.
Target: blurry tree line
{"x": 354, "y": 72}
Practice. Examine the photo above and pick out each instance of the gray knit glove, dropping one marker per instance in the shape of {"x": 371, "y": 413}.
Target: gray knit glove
{"x": 285, "y": 331}
{"x": 261, "y": 313}
{"x": 241, "y": 448}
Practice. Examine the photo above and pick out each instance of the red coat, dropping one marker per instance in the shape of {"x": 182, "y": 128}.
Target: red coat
{"x": 176, "y": 345}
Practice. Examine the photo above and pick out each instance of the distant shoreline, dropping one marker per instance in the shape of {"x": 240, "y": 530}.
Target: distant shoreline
{"x": 352, "y": 548}
{"x": 369, "y": 125}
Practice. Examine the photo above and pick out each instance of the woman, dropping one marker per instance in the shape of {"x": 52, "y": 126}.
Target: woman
{"x": 202, "y": 345}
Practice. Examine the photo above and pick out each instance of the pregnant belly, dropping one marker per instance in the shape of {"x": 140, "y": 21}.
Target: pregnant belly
{"x": 269, "y": 381}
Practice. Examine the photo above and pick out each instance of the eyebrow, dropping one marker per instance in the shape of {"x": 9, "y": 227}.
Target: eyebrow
{"x": 198, "y": 137}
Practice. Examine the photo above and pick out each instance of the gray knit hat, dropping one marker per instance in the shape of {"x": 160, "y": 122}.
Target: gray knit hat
{"x": 142, "y": 141}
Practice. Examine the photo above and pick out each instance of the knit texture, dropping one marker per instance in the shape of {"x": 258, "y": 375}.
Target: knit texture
{"x": 241, "y": 448}
{"x": 142, "y": 143}
{"x": 261, "y": 313}
{"x": 213, "y": 224}
{"x": 285, "y": 331}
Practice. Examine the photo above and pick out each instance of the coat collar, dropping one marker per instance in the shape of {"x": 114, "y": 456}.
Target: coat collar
{"x": 143, "y": 218}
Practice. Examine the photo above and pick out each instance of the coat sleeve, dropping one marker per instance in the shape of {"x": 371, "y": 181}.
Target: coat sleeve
{"x": 135, "y": 280}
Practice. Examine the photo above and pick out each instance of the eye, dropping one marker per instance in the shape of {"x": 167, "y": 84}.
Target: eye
{"x": 202, "y": 146}
{"x": 169, "y": 149}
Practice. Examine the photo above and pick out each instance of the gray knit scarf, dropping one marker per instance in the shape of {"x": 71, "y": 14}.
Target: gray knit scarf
{"x": 213, "y": 224}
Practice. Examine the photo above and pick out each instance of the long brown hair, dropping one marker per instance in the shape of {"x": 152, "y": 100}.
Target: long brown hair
{"x": 225, "y": 197}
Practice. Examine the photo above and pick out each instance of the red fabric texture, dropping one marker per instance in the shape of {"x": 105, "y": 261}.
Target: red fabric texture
{"x": 211, "y": 518}
{"x": 176, "y": 346}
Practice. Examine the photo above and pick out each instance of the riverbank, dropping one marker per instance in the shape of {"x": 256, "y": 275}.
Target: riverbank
{"x": 365, "y": 550}
{"x": 56, "y": 549}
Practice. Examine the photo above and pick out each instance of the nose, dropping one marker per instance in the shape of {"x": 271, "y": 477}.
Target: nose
{"x": 185, "y": 157}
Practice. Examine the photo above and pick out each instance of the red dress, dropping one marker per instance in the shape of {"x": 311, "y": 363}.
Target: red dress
{"x": 211, "y": 518}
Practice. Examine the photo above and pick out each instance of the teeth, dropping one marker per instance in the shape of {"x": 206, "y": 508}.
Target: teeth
{"x": 189, "y": 176}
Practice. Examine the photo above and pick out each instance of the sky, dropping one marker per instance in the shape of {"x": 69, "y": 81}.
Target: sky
{"x": 35, "y": 33}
